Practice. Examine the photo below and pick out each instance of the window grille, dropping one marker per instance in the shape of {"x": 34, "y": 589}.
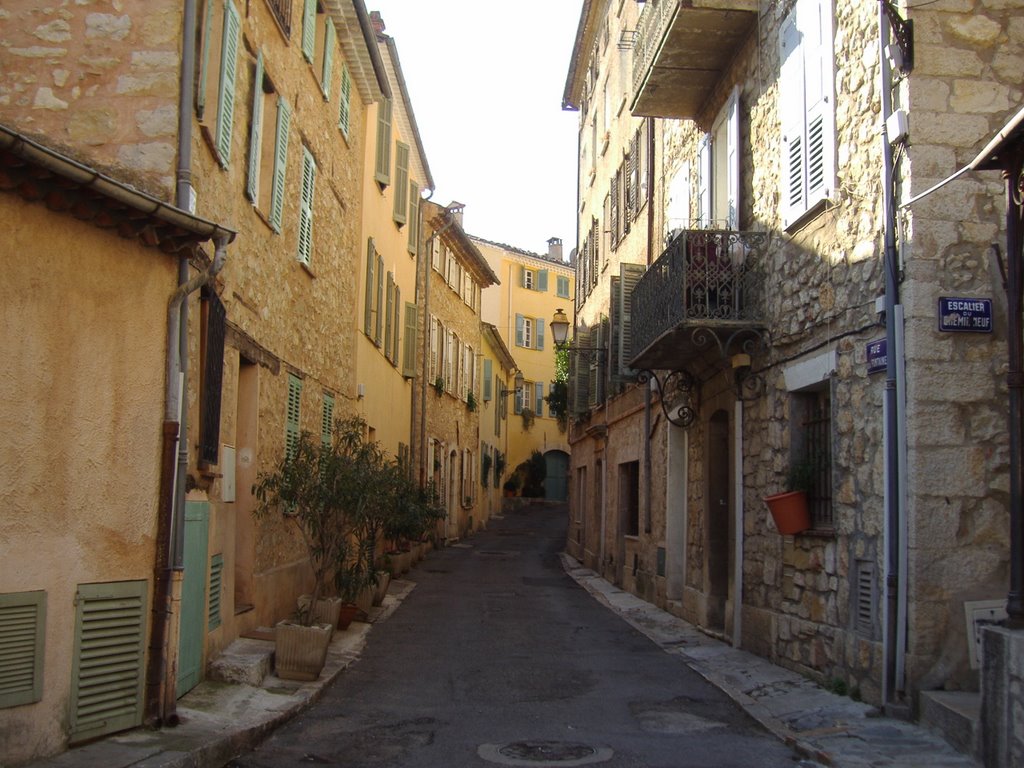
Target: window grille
{"x": 817, "y": 429}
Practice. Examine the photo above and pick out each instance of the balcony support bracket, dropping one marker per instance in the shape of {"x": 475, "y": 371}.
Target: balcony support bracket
{"x": 680, "y": 394}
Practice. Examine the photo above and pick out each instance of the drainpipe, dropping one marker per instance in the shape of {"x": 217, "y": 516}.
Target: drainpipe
{"x": 894, "y": 611}
{"x": 160, "y": 690}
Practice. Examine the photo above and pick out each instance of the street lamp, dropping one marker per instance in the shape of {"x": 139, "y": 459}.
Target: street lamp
{"x": 504, "y": 393}
{"x": 559, "y": 327}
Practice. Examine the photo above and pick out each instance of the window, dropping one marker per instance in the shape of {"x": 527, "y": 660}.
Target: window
{"x": 412, "y": 319}
{"x": 214, "y": 324}
{"x": 488, "y": 385}
{"x": 528, "y": 279}
{"x": 811, "y": 447}
{"x": 267, "y": 159}
{"x": 22, "y": 633}
{"x": 414, "y": 218}
{"x": 562, "y": 287}
{"x": 325, "y": 53}
{"x": 629, "y": 498}
{"x": 292, "y": 413}
{"x": 345, "y": 102}
{"x": 530, "y": 332}
{"x": 718, "y": 162}
{"x": 435, "y": 349}
{"x": 388, "y": 315}
{"x": 373, "y": 302}
{"x": 221, "y": 31}
{"x": 306, "y": 207}
{"x": 382, "y": 167}
{"x": 284, "y": 115}
{"x": 538, "y": 398}
{"x": 533, "y": 279}
{"x": 806, "y": 108}
{"x": 401, "y": 200}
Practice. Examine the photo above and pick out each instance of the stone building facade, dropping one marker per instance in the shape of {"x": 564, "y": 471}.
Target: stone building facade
{"x": 252, "y": 115}
{"x": 453, "y": 276}
{"x": 774, "y": 358}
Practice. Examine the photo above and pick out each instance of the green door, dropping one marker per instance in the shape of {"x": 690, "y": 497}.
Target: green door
{"x": 193, "y": 597}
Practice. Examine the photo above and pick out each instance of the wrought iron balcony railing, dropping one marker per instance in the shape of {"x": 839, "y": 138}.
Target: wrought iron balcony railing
{"x": 707, "y": 279}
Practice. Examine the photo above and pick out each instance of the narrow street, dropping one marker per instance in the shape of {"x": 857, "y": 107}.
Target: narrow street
{"x": 499, "y": 657}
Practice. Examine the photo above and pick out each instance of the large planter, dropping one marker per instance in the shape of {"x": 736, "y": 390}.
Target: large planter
{"x": 789, "y": 511}
{"x": 326, "y": 611}
{"x": 300, "y": 652}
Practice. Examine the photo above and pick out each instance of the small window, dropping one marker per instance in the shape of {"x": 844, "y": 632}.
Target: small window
{"x": 811, "y": 447}
{"x": 562, "y": 287}
{"x": 528, "y": 279}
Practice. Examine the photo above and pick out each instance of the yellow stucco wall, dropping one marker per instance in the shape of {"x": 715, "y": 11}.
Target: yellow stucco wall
{"x": 81, "y": 407}
{"x": 501, "y": 305}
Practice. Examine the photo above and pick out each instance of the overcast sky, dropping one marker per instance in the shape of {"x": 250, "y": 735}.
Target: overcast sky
{"x": 486, "y": 81}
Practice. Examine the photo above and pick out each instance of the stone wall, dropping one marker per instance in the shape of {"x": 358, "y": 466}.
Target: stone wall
{"x": 98, "y": 80}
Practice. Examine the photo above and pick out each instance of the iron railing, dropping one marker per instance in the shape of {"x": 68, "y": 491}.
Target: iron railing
{"x": 705, "y": 278}
{"x": 650, "y": 29}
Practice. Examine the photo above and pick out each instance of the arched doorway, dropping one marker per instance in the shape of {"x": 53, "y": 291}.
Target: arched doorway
{"x": 718, "y": 519}
{"x": 556, "y": 480}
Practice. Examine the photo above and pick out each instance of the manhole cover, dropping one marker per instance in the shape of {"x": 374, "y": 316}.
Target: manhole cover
{"x": 546, "y": 751}
{"x": 540, "y": 753}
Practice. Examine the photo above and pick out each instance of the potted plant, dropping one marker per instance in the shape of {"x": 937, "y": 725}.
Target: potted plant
{"x": 296, "y": 490}
{"x": 789, "y": 509}
{"x": 438, "y": 386}
{"x": 470, "y": 402}
{"x": 528, "y": 417}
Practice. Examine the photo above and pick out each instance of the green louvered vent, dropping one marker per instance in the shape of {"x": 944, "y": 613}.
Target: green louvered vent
{"x": 22, "y": 628}
{"x": 107, "y": 673}
{"x": 216, "y": 585}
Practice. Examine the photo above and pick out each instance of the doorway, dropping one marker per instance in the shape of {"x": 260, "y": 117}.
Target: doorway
{"x": 719, "y": 520}
{"x": 556, "y": 481}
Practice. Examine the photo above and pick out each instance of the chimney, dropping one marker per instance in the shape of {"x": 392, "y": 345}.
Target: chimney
{"x": 555, "y": 249}
{"x": 377, "y": 22}
{"x": 456, "y": 208}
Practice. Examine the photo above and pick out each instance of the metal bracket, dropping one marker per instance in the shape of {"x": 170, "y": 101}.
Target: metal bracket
{"x": 903, "y": 32}
{"x": 680, "y": 393}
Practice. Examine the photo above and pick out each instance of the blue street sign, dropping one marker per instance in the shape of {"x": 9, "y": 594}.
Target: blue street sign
{"x": 961, "y": 315}
{"x": 876, "y": 356}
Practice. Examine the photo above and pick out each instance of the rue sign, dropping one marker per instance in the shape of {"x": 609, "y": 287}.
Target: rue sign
{"x": 876, "y": 356}
{"x": 962, "y": 315}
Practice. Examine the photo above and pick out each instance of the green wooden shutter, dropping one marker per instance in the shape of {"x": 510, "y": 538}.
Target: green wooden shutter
{"x": 520, "y": 321}
{"x": 216, "y": 587}
{"x": 414, "y": 217}
{"x": 379, "y": 325}
{"x": 538, "y": 333}
{"x": 630, "y": 275}
{"x": 389, "y": 313}
{"x": 228, "y": 71}
{"x": 580, "y": 375}
{"x": 371, "y": 263}
{"x": 292, "y": 414}
{"x": 327, "y": 73}
{"x": 107, "y": 667}
{"x": 522, "y": 277}
{"x": 344, "y": 109}
{"x": 397, "y": 325}
{"x": 488, "y": 374}
{"x": 382, "y": 168}
{"x": 309, "y": 29}
{"x": 401, "y": 200}
{"x": 409, "y": 342}
{"x": 327, "y": 419}
{"x": 22, "y": 646}
{"x": 252, "y": 186}
{"x": 538, "y": 390}
{"x": 615, "y": 313}
{"x": 204, "y": 61}
{"x": 306, "y": 207}
{"x": 542, "y": 280}
{"x": 284, "y": 117}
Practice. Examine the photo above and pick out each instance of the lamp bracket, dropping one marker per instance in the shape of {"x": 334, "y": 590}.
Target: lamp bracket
{"x": 903, "y": 33}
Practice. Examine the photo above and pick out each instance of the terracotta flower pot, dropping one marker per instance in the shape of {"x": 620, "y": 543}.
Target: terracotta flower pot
{"x": 789, "y": 511}
{"x": 347, "y": 614}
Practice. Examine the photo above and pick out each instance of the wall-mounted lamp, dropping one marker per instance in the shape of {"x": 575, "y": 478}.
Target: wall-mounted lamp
{"x": 504, "y": 393}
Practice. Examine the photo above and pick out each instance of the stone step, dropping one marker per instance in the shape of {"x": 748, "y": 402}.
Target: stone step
{"x": 245, "y": 661}
{"x": 954, "y": 715}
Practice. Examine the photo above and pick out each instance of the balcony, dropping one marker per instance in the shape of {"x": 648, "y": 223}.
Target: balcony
{"x": 681, "y": 50}
{"x": 704, "y": 293}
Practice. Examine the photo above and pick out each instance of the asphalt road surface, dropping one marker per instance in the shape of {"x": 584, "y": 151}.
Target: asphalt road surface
{"x": 497, "y": 657}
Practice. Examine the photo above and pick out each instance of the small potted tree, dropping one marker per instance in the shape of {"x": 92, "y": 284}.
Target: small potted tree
{"x": 296, "y": 490}
{"x": 789, "y": 509}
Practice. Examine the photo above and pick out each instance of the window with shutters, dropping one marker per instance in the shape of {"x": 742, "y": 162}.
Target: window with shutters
{"x": 284, "y": 113}
{"x": 528, "y": 278}
{"x": 389, "y": 311}
{"x": 806, "y": 108}
{"x": 562, "y": 286}
{"x": 268, "y": 137}
{"x": 345, "y": 102}
{"x": 211, "y": 342}
{"x": 396, "y": 323}
{"x": 218, "y": 70}
{"x": 401, "y": 196}
{"x": 370, "y": 298}
{"x": 22, "y": 645}
{"x": 414, "y": 218}
{"x": 434, "y": 368}
{"x": 305, "y": 249}
{"x": 382, "y": 163}
{"x": 613, "y": 223}
{"x": 488, "y": 384}
{"x": 325, "y": 44}
{"x": 538, "y": 398}
{"x": 107, "y": 665}
{"x": 530, "y": 332}
{"x": 292, "y": 423}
